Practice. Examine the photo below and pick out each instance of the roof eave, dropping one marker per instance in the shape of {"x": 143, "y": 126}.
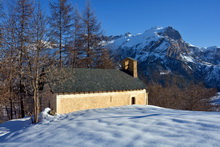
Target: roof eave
{"x": 89, "y": 92}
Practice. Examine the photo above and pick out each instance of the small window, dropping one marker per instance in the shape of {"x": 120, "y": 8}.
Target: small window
{"x": 133, "y": 101}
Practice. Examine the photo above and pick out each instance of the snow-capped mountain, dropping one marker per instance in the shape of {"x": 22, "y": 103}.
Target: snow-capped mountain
{"x": 162, "y": 51}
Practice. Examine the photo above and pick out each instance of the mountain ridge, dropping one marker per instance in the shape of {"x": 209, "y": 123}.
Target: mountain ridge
{"x": 162, "y": 50}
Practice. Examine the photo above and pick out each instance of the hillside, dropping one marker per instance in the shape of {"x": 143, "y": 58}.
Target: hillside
{"x": 162, "y": 51}
{"x": 117, "y": 126}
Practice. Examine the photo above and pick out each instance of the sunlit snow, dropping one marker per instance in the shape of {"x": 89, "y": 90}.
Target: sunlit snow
{"x": 141, "y": 38}
{"x": 215, "y": 100}
{"x": 187, "y": 58}
{"x": 117, "y": 126}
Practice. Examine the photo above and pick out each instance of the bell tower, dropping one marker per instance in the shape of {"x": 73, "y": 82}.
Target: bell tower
{"x": 129, "y": 66}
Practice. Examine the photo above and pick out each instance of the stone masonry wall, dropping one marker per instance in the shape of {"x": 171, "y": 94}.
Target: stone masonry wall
{"x": 75, "y": 102}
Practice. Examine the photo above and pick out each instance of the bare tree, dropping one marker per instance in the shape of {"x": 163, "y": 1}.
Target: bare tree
{"x": 74, "y": 48}
{"x": 2, "y": 16}
{"x": 91, "y": 36}
{"x": 8, "y": 65}
{"x": 174, "y": 95}
{"x": 60, "y": 26}
{"x": 23, "y": 15}
{"x": 13, "y": 58}
{"x": 197, "y": 97}
{"x": 9, "y": 68}
{"x": 104, "y": 61}
{"x": 38, "y": 57}
{"x": 93, "y": 48}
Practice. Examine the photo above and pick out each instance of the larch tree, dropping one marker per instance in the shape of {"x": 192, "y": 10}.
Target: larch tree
{"x": 3, "y": 99}
{"x": 9, "y": 72}
{"x": 38, "y": 58}
{"x": 75, "y": 46}
{"x": 1, "y": 24}
{"x": 9, "y": 65}
{"x": 23, "y": 15}
{"x": 92, "y": 40}
{"x": 60, "y": 26}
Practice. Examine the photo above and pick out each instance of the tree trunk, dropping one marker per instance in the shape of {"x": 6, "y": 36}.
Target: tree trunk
{"x": 36, "y": 106}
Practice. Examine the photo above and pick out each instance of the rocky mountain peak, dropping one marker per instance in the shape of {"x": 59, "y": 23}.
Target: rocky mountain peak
{"x": 128, "y": 34}
{"x": 172, "y": 33}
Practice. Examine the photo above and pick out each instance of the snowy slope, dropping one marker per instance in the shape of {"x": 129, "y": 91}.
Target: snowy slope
{"x": 162, "y": 50}
{"x": 118, "y": 126}
{"x": 139, "y": 40}
{"x": 216, "y": 99}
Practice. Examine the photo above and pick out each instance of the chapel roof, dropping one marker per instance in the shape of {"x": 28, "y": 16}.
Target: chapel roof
{"x": 79, "y": 80}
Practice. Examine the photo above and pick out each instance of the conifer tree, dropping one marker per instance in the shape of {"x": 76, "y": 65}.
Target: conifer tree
{"x": 60, "y": 26}
{"x": 17, "y": 32}
{"x": 92, "y": 40}
{"x": 9, "y": 64}
{"x": 37, "y": 58}
{"x": 76, "y": 45}
{"x": 1, "y": 25}
{"x": 23, "y": 15}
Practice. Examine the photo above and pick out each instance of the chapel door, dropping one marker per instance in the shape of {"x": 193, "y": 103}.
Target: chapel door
{"x": 133, "y": 101}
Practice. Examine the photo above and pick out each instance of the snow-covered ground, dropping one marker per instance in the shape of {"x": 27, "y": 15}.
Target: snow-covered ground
{"x": 117, "y": 126}
{"x": 216, "y": 99}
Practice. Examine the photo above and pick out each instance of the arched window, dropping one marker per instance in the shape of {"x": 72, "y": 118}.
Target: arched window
{"x": 133, "y": 101}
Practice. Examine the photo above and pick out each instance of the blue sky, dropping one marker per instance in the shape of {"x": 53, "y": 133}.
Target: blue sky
{"x": 198, "y": 21}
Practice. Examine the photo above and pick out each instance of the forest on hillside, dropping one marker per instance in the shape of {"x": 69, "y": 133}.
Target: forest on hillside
{"x": 34, "y": 46}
